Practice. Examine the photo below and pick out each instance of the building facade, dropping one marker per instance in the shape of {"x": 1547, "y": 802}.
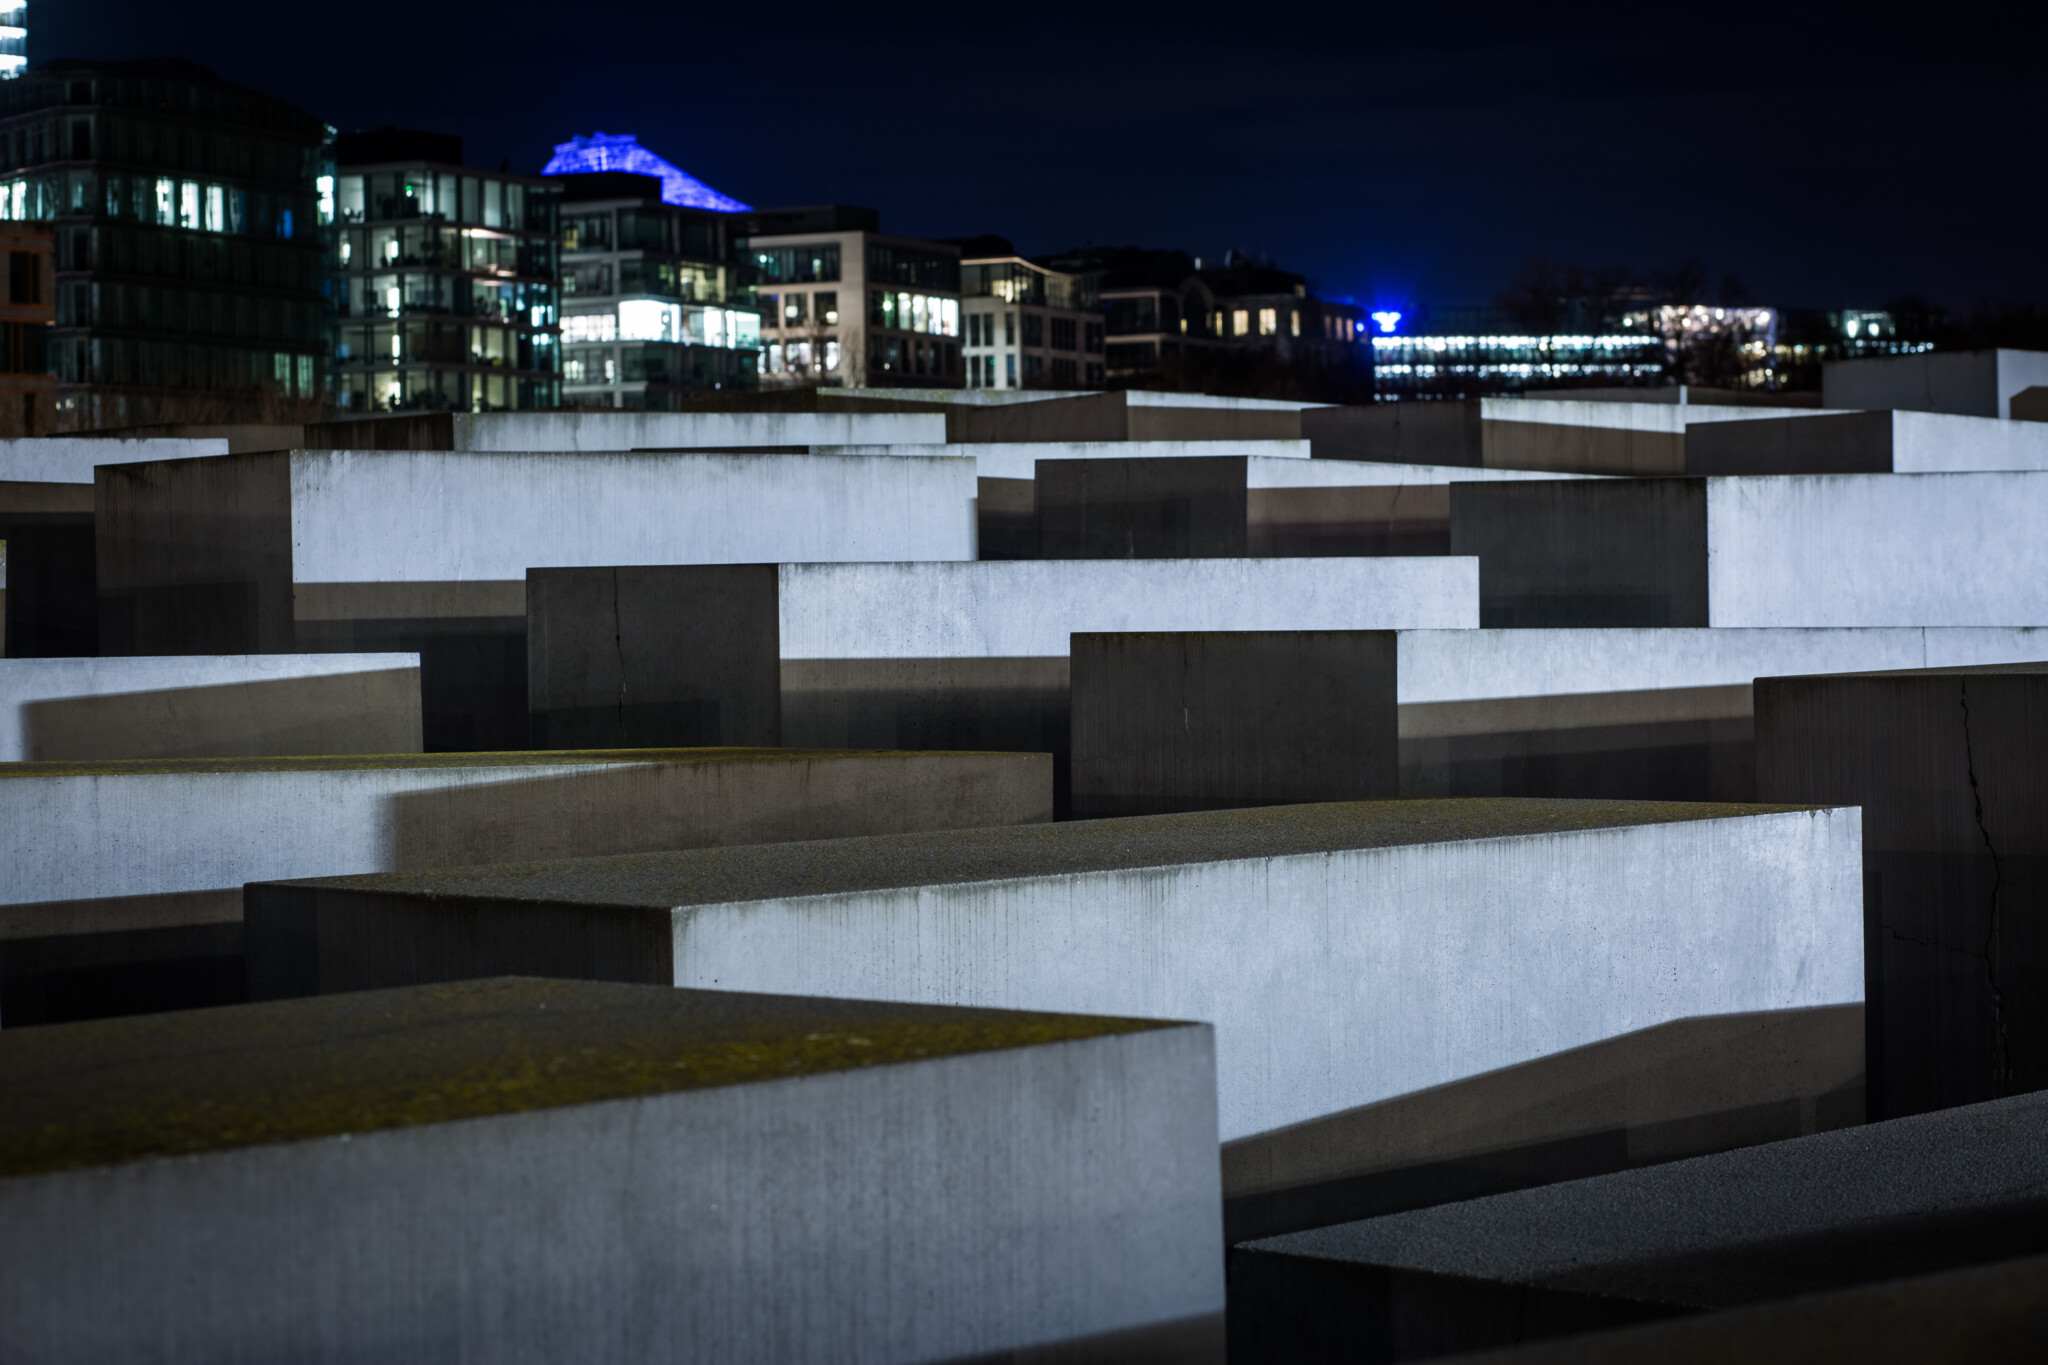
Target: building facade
{"x": 1027, "y": 326}
{"x": 28, "y": 391}
{"x": 187, "y": 220}
{"x": 846, "y": 306}
{"x": 13, "y": 38}
{"x": 445, "y": 280}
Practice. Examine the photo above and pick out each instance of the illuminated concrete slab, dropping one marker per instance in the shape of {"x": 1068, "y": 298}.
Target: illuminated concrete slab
{"x": 1134, "y": 416}
{"x": 1884, "y": 1201}
{"x": 518, "y": 1170}
{"x": 1895, "y": 442}
{"x": 71, "y": 459}
{"x": 124, "y": 886}
{"x": 1973, "y": 383}
{"x": 209, "y": 706}
{"x": 1950, "y": 766}
{"x": 427, "y": 552}
{"x": 608, "y": 432}
{"x": 1773, "y": 550}
{"x": 1562, "y": 435}
{"x": 1687, "y": 1088}
{"x": 1346, "y": 953}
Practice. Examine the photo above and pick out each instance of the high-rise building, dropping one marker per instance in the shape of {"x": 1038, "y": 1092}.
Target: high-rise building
{"x": 1028, "y": 326}
{"x": 13, "y": 38}
{"x": 654, "y": 304}
{"x": 28, "y": 391}
{"x": 187, "y": 220}
{"x": 445, "y": 279}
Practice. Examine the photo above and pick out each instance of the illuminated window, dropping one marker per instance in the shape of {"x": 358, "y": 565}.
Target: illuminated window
{"x": 166, "y": 203}
{"x": 649, "y": 320}
{"x": 793, "y": 309}
{"x": 188, "y": 205}
{"x": 1293, "y": 323}
{"x": 216, "y": 209}
{"x": 1269, "y": 321}
{"x": 949, "y": 311}
{"x": 590, "y": 327}
{"x": 828, "y": 315}
{"x": 1241, "y": 322}
{"x": 832, "y": 356}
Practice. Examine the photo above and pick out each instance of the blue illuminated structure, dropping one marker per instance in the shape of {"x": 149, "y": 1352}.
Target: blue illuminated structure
{"x": 623, "y": 152}
{"x": 1388, "y": 320}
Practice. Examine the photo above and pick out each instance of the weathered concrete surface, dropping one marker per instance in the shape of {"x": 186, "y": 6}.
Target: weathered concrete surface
{"x": 72, "y": 459}
{"x": 1213, "y": 720}
{"x": 1783, "y": 550}
{"x": 1973, "y": 383}
{"x": 124, "y": 886}
{"x": 1893, "y": 442}
{"x": 1142, "y": 509}
{"x": 608, "y": 432}
{"x": 1635, "y": 713}
{"x": 1018, "y": 459}
{"x": 1682, "y": 1089}
{"x": 1133, "y": 416}
{"x": 427, "y": 552}
{"x": 190, "y": 706}
{"x": 534, "y": 1171}
{"x": 1908, "y": 1197}
{"x": 1951, "y": 769}
{"x": 1346, "y": 953}
{"x": 1561, "y": 435}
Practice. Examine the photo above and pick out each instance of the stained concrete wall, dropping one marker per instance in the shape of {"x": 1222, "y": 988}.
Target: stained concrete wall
{"x": 790, "y": 1180}
{"x": 71, "y": 459}
{"x": 1683, "y": 1089}
{"x": 189, "y": 706}
{"x": 124, "y": 891}
{"x": 1866, "y": 443}
{"x": 1855, "y": 1206}
{"x": 1141, "y": 509}
{"x": 1211, "y": 720}
{"x": 1127, "y": 416}
{"x": 1345, "y": 953}
{"x": 1973, "y": 383}
{"x": 608, "y": 432}
{"x": 426, "y": 552}
{"x": 1949, "y": 767}
{"x": 1788, "y": 550}
{"x": 1644, "y": 714}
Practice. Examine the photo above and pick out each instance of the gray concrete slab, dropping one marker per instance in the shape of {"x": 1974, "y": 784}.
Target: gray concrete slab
{"x": 606, "y": 432}
{"x": 2029, "y": 404}
{"x": 125, "y": 879}
{"x": 1346, "y": 953}
{"x": 209, "y": 706}
{"x": 1133, "y": 416}
{"x": 1682, "y": 1089}
{"x": 532, "y": 1171}
{"x": 427, "y": 552}
{"x": 1910, "y": 1196}
{"x": 72, "y": 459}
{"x": 1973, "y": 383}
{"x": 1951, "y": 769}
{"x": 1885, "y": 442}
{"x": 1210, "y": 720}
{"x": 1778, "y": 550}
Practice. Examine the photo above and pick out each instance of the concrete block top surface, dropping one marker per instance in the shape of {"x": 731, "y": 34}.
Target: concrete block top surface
{"x": 1907, "y": 674}
{"x": 611, "y": 431}
{"x": 27, "y": 679}
{"x": 1018, "y": 459}
{"x": 1587, "y": 1233}
{"x": 1664, "y": 417}
{"x": 1327, "y": 473}
{"x": 155, "y": 1086}
{"x": 673, "y": 881}
{"x": 1148, "y": 398}
{"x": 70, "y": 459}
{"x": 514, "y": 759}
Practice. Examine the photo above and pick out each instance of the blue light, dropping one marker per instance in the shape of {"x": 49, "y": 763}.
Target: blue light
{"x": 1388, "y": 321}
{"x": 623, "y": 152}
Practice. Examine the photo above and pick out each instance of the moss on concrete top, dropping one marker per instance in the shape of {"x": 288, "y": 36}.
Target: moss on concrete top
{"x": 1908, "y": 674}
{"x": 164, "y": 1085}
{"x": 538, "y": 758}
{"x": 713, "y": 876}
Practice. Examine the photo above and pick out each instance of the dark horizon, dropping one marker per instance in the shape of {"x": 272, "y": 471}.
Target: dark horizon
{"x": 1395, "y": 158}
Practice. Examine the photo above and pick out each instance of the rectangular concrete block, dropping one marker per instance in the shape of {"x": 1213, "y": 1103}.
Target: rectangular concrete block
{"x": 1683, "y": 1089}
{"x": 199, "y": 706}
{"x": 1133, "y": 416}
{"x": 1018, "y": 459}
{"x": 71, "y": 459}
{"x": 527, "y": 1171}
{"x": 1885, "y": 442}
{"x": 47, "y": 570}
{"x": 1912, "y": 1196}
{"x": 1346, "y": 953}
{"x": 1951, "y": 769}
{"x": 1972, "y": 383}
{"x": 125, "y": 885}
{"x": 606, "y": 432}
{"x": 1212, "y": 720}
{"x": 427, "y": 552}
{"x": 1783, "y": 550}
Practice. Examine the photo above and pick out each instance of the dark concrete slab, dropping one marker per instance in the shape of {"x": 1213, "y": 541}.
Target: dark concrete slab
{"x": 1209, "y": 720}
{"x": 1911, "y": 1196}
{"x": 1951, "y": 769}
{"x": 1171, "y": 508}
{"x": 1611, "y": 552}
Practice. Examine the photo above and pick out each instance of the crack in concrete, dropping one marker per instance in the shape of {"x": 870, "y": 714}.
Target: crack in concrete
{"x": 2000, "y": 1071}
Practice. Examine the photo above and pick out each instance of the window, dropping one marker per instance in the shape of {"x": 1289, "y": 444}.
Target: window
{"x": 832, "y": 356}
{"x": 1092, "y": 337}
{"x": 1269, "y": 321}
{"x": 1010, "y": 368}
{"x": 798, "y": 264}
{"x": 771, "y": 309}
{"x": 216, "y": 208}
{"x": 1034, "y": 331}
{"x": 828, "y": 316}
{"x": 1240, "y": 322}
{"x": 1293, "y": 322}
{"x": 907, "y": 265}
{"x": 1063, "y": 333}
{"x": 1010, "y": 330}
{"x": 793, "y": 309}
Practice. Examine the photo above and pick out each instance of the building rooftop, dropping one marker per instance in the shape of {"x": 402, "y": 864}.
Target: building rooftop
{"x": 622, "y": 152}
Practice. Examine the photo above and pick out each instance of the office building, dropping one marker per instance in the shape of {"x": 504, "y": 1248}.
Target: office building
{"x": 845, "y": 305}
{"x": 13, "y": 38}
{"x": 445, "y": 280}
{"x": 653, "y": 304}
{"x": 1026, "y": 326}
{"x": 1466, "y": 352}
{"x": 187, "y": 219}
{"x": 28, "y": 391}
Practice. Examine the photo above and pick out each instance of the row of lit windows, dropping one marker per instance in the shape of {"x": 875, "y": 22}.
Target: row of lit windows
{"x": 797, "y": 310}
{"x": 1067, "y": 334}
{"x": 801, "y": 359}
{"x": 653, "y": 320}
{"x": 442, "y": 343}
{"x": 386, "y": 296}
{"x": 445, "y": 391}
{"x": 163, "y": 203}
{"x": 914, "y": 313}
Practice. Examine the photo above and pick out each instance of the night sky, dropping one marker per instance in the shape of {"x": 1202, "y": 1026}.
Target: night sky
{"x": 1827, "y": 154}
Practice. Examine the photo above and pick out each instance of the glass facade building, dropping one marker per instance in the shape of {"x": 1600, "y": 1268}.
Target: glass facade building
{"x": 654, "y": 306}
{"x": 13, "y": 38}
{"x": 186, "y": 215}
{"x": 1028, "y": 327}
{"x": 445, "y": 280}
